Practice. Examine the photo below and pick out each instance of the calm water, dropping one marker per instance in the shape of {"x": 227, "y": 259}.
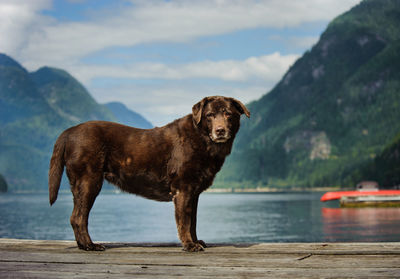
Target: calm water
{"x": 280, "y": 217}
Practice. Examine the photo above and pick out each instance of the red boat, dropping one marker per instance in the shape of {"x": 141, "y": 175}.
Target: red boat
{"x": 366, "y": 188}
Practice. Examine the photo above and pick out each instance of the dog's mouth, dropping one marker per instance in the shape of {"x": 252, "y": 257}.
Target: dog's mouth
{"x": 220, "y": 138}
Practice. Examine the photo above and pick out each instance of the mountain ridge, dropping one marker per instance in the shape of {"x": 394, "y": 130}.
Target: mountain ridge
{"x": 34, "y": 109}
{"x": 334, "y": 110}
{"x": 61, "y": 91}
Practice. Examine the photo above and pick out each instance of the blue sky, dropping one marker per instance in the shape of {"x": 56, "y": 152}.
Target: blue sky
{"x": 160, "y": 57}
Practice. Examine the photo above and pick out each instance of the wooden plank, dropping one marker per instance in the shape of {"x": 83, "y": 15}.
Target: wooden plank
{"x": 128, "y": 271}
{"x": 61, "y": 259}
{"x": 359, "y": 247}
{"x": 222, "y": 260}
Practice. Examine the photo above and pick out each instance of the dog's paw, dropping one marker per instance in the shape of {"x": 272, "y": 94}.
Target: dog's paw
{"x": 193, "y": 247}
{"x": 202, "y": 243}
{"x": 92, "y": 247}
{"x": 98, "y": 247}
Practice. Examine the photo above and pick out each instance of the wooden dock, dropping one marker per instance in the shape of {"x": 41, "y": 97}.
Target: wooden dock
{"x": 62, "y": 259}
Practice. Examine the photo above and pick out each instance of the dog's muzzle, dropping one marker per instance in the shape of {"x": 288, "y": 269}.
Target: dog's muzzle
{"x": 219, "y": 135}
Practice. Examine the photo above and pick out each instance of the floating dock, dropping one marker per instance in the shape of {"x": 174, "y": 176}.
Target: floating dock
{"x": 370, "y": 201}
{"x": 62, "y": 259}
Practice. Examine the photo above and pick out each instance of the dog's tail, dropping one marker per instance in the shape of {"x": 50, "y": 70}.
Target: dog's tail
{"x": 56, "y": 170}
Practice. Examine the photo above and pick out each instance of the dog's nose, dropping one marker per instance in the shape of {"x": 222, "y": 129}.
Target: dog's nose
{"x": 220, "y": 131}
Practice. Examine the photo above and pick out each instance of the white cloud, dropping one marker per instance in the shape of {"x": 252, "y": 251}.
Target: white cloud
{"x": 267, "y": 68}
{"x": 154, "y": 21}
{"x": 17, "y": 19}
{"x": 173, "y": 97}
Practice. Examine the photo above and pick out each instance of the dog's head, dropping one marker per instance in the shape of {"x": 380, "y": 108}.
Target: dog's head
{"x": 219, "y": 117}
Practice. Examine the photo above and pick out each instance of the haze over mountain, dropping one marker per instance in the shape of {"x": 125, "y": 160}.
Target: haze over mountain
{"x": 333, "y": 112}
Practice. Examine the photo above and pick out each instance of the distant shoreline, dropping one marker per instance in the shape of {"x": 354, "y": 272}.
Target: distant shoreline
{"x": 212, "y": 190}
{"x": 271, "y": 190}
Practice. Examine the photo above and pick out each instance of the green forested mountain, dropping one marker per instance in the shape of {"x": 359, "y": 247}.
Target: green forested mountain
{"x": 34, "y": 109}
{"x": 61, "y": 91}
{"x": 332, "y": 113}
{"x": 28, "y": 127}
{"x": 385, "y": 168}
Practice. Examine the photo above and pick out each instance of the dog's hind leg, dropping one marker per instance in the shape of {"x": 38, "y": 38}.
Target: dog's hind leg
{"x": 85, "y": 192}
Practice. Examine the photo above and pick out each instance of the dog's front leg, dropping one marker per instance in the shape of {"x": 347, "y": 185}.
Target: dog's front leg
{"x": 183, "y": 202}
{"x": 193, "y": 223}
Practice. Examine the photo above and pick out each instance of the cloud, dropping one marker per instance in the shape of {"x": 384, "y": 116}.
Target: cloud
{"x": 61, "y": 43}
{"x": 267, "y": 68}
{"x": 17, "y": 19}
{"x": 180, "y": 86}
{"x": 188, "y": 83}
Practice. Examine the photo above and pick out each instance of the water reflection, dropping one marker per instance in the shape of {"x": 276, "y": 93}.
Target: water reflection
{"x": 361, "y": 224}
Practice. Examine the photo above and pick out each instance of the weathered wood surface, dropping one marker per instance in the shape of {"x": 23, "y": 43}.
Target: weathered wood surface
{"x": 62, "y": 259}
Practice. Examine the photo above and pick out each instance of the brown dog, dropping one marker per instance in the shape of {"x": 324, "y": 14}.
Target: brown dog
{"x": 172, "y": 163}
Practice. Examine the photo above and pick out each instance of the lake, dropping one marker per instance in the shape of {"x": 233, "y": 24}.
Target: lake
{"x": 269, "y": 217}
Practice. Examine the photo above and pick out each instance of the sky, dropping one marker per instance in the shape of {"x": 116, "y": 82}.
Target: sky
{"x": 160, "y": 57}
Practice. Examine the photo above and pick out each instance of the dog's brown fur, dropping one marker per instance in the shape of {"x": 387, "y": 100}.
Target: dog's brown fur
{"x": 172, "y": 163}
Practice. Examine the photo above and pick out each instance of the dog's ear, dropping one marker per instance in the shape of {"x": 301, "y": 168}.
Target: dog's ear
{"x": 197, "y": 110}
{"x": 240, "y": 107}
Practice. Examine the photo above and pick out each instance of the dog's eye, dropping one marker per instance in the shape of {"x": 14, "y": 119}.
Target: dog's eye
{"x": 210, "y": 115}
{"x": 227, "y": 113}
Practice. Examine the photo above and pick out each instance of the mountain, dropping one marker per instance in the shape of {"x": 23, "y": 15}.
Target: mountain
{"x": 67, "y": 96}
{"x": 334, "y": 111}
{"x": 385, "y": 168}
{"x": 128, "y": 117}
{"x": 34, "y": 109}
{"x": 28, "y": 126}
{"x": 19, "y": 98}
